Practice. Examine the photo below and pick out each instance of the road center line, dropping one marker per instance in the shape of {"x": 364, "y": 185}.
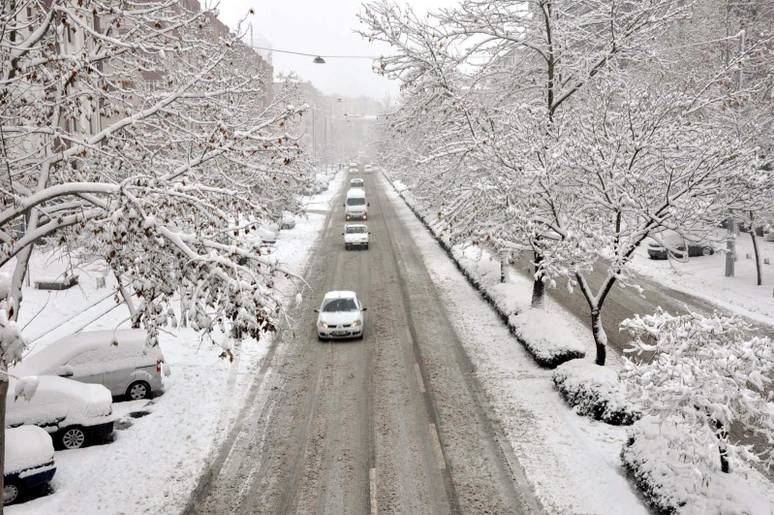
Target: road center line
{"x": 372, "y": 486}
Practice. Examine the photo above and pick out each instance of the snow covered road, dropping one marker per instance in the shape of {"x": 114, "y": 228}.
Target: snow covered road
{"x": 393, "y": 423}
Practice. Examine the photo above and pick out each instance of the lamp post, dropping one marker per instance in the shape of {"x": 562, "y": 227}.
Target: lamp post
{"x": 730, "y": 222}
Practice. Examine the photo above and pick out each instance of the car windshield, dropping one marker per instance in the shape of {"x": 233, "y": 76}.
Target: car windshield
{"x": 340, "y": 305}
{"x": 356, "y": 201}
{"x": 356, "y": 230}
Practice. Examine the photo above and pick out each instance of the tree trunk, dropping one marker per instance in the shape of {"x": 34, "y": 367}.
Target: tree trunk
{"x": 3, "y": 393}
{"x": 503, "y": 267}
{"x": 757, "y": 254}
{"x": 722, "y": 434}
{"x": 538, "y": 286}
{"x": 17, "y": 281}
{"x": 600, "y": 337}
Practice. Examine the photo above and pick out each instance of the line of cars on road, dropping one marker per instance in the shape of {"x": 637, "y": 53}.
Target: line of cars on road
{"x": 62, "y": 397}
{"x": 340, "y": 314}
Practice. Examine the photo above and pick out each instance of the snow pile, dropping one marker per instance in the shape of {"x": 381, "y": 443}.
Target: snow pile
{"x": 662, "y": 460}
{"x": 595, "y": 392}
{"x": 27, "y": 447}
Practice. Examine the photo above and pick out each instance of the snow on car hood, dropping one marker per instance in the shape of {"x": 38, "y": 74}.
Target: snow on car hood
{"x": 57, "y": 397}
{"x": 27, "y": 447}
{"x": 340, "y": 317}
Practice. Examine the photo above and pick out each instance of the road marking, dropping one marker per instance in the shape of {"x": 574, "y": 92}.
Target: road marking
{"x": 437, "y": 447}
{"x": 419, "y": 378}
{"x": 372, "y": 483}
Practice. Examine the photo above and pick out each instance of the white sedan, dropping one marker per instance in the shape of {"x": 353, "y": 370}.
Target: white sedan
{"x": 356, "y": 236}
{"x": 356, "y": 182}
{"x": 340, "y": 316}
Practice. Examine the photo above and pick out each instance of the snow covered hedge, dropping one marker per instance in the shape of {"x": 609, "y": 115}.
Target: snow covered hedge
{"x": 547, "y": 347}
{"x": 595, "y": 392}
{"x": 546, "y": 341}
{"x": 662, "y": 461}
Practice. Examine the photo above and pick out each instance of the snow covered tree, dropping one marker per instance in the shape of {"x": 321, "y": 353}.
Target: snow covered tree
{"x": 709, "y": 373}
{"x": 145, "y": 132}
{"x": 531, "y": 58}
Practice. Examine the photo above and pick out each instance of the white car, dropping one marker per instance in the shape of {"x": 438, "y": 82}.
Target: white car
{"x": 340, "y": 316}
{"x": 74, "y": 413}
{"x": 356, "y": 205}
{"x": 29, "y": 461}
{"x": 119, "y": 360}
{"x": 356, "y": 182}
{"x": 356, "y": 236}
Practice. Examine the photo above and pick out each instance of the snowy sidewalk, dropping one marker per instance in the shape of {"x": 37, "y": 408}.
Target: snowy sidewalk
{"x": 162, "y": 446}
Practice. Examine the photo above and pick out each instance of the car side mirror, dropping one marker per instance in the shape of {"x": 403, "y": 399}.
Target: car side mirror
{"x": 364, "y": 308}
{"x": 368, "y": 204}
{"x": 316, "y": 310}
{"x": 369, "y": 232}
{"x": 65, "y": 371}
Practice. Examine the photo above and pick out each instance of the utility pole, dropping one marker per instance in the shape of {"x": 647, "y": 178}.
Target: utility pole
{"x": 731, "y": 223}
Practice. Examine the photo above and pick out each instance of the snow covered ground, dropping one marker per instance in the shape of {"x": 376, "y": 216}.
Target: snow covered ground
{"x": 161, "y": 446}
{"x": 573, "y": 462}
{"x": 704, "y": 277}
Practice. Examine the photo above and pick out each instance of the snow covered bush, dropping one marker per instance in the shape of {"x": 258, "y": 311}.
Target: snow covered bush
{"x": 595, "y": 391}
{"x": 711, "y": 373}
{"x": 661, "y": 459}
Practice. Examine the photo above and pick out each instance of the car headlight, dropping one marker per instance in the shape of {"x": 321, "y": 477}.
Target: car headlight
{"x": 356, "y": 323}
{"x": 323, "y": 325}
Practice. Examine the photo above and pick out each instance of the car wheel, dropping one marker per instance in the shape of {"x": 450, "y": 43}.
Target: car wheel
{"x": 11, "y": 492}
{"x": 138, "y": 390}
{"x": 707, "y": 251}
{"x": 72, "y": 437}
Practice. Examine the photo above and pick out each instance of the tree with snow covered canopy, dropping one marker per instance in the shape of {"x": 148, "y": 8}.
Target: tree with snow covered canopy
{"x": 530, "y": 58}
{"x": 708, "y": 373}
{"x": 637, "y": 162}
{"x": 145, "y": 132}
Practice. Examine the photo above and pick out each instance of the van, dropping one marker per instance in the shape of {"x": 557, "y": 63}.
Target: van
{"x": 356, "y": 206}
{"x": 120, "y": 360}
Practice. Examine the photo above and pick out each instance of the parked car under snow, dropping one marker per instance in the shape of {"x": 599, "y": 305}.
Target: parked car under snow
{"x": 671, "y": 244}
{"x": 29, "y": 462}
{"x": 119, "y": 360}
{"x": 75, "y": 414}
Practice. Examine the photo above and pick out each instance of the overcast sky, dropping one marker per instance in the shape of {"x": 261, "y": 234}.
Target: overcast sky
{"x": 322, "y": 27}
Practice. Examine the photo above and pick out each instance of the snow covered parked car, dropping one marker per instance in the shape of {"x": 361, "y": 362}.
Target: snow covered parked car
{"x": 120, "y": 360}
{"x": 673, "y": 244}
{"x": 74, "y": 413}
{"x": 29, "y": 461}
{"x": 288, "y": 221}
{"x": 356, "y": 236}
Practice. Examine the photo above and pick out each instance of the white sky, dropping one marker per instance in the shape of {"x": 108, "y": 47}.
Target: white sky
{"x": 319, "y": 27}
